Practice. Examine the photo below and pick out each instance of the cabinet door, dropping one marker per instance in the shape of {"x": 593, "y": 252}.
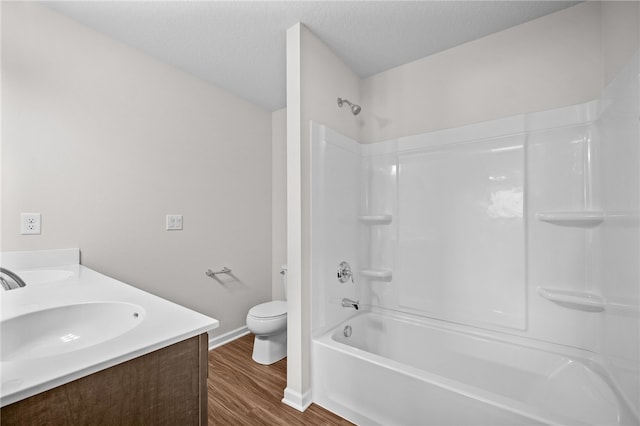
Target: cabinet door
{"x": 164, "y": 387}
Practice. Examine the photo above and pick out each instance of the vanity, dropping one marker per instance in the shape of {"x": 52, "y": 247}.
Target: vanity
{"x": 79, "y": 347}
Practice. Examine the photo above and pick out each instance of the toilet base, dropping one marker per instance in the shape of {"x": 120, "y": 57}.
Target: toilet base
{"x": 270, "y": 349}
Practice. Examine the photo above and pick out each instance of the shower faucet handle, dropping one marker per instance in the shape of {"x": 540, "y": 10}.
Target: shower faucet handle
{"x": 344, "y": 272}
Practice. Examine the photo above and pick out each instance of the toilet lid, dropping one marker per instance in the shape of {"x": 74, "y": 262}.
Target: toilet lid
{"x": 277, "y": 308}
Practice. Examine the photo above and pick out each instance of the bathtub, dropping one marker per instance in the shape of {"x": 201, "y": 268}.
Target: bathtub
{"x": 395, "y": 369}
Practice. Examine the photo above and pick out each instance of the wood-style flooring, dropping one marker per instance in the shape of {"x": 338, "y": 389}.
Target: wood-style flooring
{"x": 243, "y": 392}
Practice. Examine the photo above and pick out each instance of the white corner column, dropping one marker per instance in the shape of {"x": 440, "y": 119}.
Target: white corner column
{"x": 298, "y": 393}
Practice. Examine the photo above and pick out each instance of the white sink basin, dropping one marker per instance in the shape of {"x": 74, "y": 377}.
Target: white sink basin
{"x": 65, "y": 328}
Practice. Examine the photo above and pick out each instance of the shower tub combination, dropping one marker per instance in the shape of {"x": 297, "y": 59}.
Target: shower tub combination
{"x": 497, "y": 298}
{"x": 396, "y": 369}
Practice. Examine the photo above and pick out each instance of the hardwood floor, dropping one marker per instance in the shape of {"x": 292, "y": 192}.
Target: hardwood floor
{"x": 243, "y": 392}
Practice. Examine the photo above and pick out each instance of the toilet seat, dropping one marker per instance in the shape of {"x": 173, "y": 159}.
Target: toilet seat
{"x": 269, "y": 310}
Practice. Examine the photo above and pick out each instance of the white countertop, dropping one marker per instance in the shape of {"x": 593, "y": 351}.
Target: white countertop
{"x": 163, "y": 323}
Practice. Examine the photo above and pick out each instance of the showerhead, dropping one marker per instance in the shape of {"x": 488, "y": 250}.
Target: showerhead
{"x": 355, "y": 109}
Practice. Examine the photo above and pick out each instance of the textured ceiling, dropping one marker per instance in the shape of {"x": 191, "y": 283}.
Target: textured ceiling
{"x": 240, "y": 45}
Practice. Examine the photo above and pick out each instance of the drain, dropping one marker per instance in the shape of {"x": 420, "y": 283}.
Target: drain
{"x": 347, "y": 331}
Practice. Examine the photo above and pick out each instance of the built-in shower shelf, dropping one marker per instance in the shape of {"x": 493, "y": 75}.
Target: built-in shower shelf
{"x": 572, "y": 218}
{"x": 376, "y": 219}
{"x": 377, "y": 274}
{"x": 580, "y": 300}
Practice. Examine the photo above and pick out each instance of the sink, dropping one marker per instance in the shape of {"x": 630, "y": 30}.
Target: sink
{"x": 41, "y": 276}
{"x": 65, "y": 329}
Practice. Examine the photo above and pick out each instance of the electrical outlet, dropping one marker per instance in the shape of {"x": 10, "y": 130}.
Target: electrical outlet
{"x": 30, "y": 223}
{"x": 174, "y": 222}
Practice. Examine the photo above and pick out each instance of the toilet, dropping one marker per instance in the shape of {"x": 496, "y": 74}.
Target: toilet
{"x": 268, "y": 321}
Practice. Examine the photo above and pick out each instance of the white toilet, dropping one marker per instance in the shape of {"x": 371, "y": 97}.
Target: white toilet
{"x": 268, "y": 321}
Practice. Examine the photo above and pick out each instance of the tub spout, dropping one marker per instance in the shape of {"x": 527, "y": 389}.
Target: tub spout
{"x": 348, "y": 303}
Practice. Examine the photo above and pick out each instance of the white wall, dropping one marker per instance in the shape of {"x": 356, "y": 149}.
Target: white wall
{"x": 104, "y": 141}
{"x": 620, "y": 26}
{"x": 550, "y": 62}
{"x": 558, "y": 60}
{"x": 278, "y": 200}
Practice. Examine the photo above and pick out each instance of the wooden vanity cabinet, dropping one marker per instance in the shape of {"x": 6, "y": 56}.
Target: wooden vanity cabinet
{"x": 165, "y": 387}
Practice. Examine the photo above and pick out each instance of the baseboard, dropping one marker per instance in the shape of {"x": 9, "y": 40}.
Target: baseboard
{"x": 225, "y": 338}
{"x": 296, "y": 400}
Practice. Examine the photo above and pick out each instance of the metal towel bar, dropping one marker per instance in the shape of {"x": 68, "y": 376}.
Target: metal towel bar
{"x": 224, "y": 270}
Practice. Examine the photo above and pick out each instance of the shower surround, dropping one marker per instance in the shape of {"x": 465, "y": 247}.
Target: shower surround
{"x": 520, "y": 232}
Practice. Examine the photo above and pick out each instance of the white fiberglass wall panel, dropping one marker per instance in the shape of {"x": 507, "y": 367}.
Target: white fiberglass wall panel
{"x": 336, "y": 195}
{"x": 462, "y": 213}
{"x": 446, "y": 221}
{"x": 620, "y": 249}
{"x": 461, "y": 232}
{"x": 559, "y": 181}
{"x": 561, "y": 253}
{"x": 378, "y": 212}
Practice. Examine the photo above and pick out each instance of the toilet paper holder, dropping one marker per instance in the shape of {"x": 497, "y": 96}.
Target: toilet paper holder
{"x": 211, "y": 273}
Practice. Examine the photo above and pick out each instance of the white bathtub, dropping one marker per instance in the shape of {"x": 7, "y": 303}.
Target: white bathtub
{"x": 399, "y": 370}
